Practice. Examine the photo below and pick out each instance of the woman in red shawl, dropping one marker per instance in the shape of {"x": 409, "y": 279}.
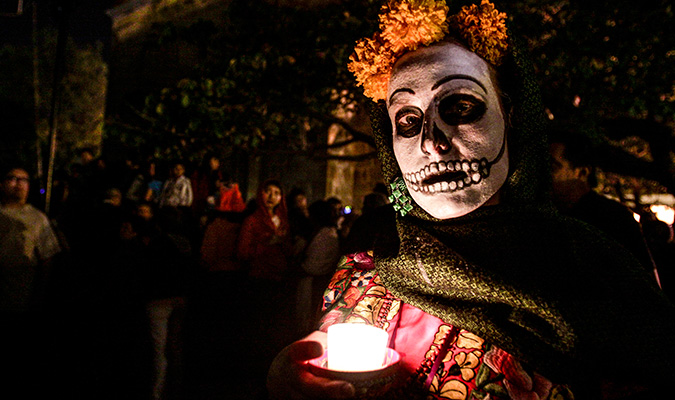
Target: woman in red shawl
{"x": 264, "y": 241}
{"x": 264, "y": 248}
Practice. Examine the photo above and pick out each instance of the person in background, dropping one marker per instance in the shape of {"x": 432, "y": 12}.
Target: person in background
{"x": 177, "y": 190}
{"x": 339, "y": 213}
{"x": 229, "y": 197}
{"x": 298, "y": 221}
{"x": 264, "y": 249}
{"x": 108, "y": 217}
{"x": 574, "y": 179}
{"x": 264, "y": 239}
{"x": 485, "y": 290}
{"x": 219, "y": 245}
{"x": 165, "y": 273}
{"x": 377, "y": 218}
{"x": 319, "y": 260}
{"x": 145, "y": 187}
{"x": 175, "y": 203}
{"x": 145, "y": 211}
{"x": 205, "y": 181}
{"x": 28, "y": 244}
{"x": 28, "y": 248}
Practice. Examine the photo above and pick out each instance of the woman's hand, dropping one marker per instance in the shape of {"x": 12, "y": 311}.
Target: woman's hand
{"x": 289, "y": 378}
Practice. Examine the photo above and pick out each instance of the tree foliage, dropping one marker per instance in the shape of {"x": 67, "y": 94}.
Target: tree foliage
{"x": 81, "y": 93}
{"x": 271, "y": 75}
{"x": 609, "y": 66}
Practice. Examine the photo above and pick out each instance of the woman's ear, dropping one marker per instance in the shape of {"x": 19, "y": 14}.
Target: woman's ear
{"x": 507, "y": 109}
{"x": 583, "y": 173}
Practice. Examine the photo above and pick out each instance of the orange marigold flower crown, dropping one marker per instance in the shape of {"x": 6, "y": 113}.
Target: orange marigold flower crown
{"x": 406, "y": 25}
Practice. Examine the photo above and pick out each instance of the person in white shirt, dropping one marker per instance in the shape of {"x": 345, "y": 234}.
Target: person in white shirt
{"x": 177, "y": 190}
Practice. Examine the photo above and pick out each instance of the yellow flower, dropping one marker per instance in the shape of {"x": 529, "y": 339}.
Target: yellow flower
{"x": 484, "y": 29}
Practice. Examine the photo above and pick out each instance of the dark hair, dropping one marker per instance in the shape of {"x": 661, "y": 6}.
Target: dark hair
{"x": 322, "y": 214}
{"x": 272, "y": 182}
{"x": 5, "y": 168}
{"x": 373, "y": 201}
{"x": 292, "y": 195}
{"x": 333, "y": 201}
{"x": 579, "y": 149}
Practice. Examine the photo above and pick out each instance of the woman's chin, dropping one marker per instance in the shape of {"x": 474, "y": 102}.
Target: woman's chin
{"x": 449, "y": 205}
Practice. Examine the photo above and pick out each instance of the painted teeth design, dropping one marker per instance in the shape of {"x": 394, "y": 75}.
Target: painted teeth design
{"x": 466, "y": 173}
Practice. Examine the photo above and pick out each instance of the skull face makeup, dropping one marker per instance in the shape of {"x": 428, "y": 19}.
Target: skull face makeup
{"x": 449, "y": 129}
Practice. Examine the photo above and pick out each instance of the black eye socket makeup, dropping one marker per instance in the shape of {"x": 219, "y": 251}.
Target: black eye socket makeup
{"x": 409, "y": 121}
{"x": 458, "y": 109}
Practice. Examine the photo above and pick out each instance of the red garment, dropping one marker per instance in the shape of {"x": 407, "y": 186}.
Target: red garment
{"x": 262, "y": 245}
{"x": 440, "y": 361}
{"x": 219, "y": 246}
{"x": 230, "y": 199}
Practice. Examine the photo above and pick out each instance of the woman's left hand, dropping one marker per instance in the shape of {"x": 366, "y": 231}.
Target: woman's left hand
{"x": 289, "y": 378}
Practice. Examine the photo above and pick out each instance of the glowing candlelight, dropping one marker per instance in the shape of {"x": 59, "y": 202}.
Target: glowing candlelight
{"x": 356, "y": 347}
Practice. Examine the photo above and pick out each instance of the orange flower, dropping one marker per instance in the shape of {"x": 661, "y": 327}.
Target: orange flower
{"x": 484, "y": 29}
{"x": 371, "y": 64}
{"x": 409, "y": 24}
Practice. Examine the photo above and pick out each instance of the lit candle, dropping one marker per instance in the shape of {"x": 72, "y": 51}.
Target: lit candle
{"x": 356, "y": 347}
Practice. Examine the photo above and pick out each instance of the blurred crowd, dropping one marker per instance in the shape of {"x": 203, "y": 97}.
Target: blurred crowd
{"x": 167, "y": 280}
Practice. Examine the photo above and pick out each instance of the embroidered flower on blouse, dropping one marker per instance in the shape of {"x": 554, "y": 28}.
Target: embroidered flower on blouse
{"x": 453, "y": 389}
{"x": 467, "y": 363}
{"x": 351, "y": 296}
{"x": 361, "y": 278}
{"x": 468, "y": 340}
{"x": 365, "y": 260}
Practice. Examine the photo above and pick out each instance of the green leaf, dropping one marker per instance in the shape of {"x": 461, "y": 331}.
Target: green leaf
{"x": 496, "y": 389}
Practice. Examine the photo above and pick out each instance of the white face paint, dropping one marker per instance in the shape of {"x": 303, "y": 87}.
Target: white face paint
{"x": 449, "y": 131}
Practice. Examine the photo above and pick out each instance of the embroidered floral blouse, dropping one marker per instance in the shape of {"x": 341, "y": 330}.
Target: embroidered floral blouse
{"x": 442, "y": 361}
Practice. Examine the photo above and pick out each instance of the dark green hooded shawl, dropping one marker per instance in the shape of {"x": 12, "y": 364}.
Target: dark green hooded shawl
{"x": 568, "y": 302}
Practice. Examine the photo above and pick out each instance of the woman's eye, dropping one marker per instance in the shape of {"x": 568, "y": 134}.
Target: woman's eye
{"x": 408, "y": 122}
{"x": 458, "y": 109}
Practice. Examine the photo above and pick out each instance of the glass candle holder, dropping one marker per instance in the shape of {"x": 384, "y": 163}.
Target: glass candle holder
{"x": 363, "y": 359}
{"x": 356, "y": 347}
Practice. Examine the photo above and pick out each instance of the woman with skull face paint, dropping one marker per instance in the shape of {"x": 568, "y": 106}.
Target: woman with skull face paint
{"x": 484, "y": 289}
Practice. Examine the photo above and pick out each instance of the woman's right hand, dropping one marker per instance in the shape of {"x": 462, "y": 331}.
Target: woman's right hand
{"x": 289, "y": 378}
